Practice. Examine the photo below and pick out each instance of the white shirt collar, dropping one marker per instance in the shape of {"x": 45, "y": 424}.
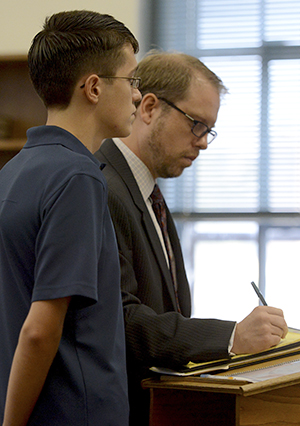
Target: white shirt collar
{"x": 140, "y": 171}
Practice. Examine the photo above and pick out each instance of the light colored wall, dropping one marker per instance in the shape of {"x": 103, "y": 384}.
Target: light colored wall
{"x": 21, "y": 20}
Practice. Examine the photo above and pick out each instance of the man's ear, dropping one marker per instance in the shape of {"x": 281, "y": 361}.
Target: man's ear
{"x": 148, "y": 107}
{"x": 92, "y": 88}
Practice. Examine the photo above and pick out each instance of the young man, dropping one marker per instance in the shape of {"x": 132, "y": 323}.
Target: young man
{"x": 174, "y": 121}
{"x": 61, "y": 325}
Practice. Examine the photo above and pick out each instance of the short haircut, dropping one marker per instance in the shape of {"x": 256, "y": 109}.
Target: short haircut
{"x": 72, "y": 44}
{"x": 169, "y": 74}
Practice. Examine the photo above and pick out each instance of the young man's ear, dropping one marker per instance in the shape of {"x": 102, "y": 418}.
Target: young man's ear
{"x": 92, "y": 88}
{"x": 148, "y": 107}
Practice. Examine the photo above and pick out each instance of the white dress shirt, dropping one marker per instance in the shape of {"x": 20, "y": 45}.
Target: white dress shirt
{"x": 145, "y": 182}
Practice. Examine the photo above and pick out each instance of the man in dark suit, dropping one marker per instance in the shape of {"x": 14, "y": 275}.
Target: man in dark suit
{"x": 174, "y": 121}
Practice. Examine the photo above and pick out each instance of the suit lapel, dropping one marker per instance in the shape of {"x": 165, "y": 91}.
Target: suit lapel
{"x": 116, "y": 159}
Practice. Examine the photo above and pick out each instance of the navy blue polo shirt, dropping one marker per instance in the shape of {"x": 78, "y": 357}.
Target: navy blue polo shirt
{"x": 57, "y": 240}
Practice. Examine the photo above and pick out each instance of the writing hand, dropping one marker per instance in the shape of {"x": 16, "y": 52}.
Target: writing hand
{"x": 263, "y": 328}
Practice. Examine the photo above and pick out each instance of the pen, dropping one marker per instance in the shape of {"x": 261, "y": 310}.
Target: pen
{"x": 261, "y": 297}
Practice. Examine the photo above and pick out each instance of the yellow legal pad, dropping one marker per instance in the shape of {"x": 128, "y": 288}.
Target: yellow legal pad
{"x": 290, "y": 345}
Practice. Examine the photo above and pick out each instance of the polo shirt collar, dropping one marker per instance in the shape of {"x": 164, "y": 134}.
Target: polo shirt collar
{"x": 54, "y": 135}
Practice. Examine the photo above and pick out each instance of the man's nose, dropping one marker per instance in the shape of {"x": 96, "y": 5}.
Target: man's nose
{"x": 136, "y": 95}
{"x": 201, "y": 143}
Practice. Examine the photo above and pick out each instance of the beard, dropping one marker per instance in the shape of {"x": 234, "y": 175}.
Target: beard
{"x": 163, "y": 164}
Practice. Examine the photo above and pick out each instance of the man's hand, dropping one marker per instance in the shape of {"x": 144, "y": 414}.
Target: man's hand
{"x": 263, "y": 328}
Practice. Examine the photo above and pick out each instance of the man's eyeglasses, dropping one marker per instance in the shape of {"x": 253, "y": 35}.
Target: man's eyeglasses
{"x": 199, "y": 129}
{"x": 133, "y": 81}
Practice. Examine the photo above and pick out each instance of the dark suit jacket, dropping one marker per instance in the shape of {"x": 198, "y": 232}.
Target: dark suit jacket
{"x": 156, "y": 334}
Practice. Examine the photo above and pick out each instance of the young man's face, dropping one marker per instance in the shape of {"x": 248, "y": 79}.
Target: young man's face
{"x": 118, "y": 99}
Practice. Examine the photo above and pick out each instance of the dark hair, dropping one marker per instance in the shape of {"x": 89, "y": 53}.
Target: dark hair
{"x": 72, "y": 44}
{"x": 169, "y": 74}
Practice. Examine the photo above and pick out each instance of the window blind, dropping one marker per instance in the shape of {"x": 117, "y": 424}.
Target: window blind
{"x": 254, "y": 47}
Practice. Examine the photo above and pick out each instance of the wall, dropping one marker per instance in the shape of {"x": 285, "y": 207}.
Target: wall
{"x": 21, "y": 20}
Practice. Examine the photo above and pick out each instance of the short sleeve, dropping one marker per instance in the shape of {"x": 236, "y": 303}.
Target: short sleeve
{"x": 69, "y": 241}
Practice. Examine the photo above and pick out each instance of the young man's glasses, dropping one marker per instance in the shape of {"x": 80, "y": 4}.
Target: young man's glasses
{"x": 199, "y": 129}
{"x": 133, "y": 81}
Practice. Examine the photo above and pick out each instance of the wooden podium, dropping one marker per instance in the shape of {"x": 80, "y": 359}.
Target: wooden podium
{"x": 191, "y": 401}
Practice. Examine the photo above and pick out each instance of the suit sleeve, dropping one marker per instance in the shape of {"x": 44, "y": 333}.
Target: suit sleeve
{"x": 155, "y": 333}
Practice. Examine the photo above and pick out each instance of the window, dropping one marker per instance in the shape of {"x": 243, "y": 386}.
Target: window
{"x": 241, "y": 198}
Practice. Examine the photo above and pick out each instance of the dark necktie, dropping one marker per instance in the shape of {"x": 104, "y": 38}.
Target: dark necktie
{"x": 158, "y": 205}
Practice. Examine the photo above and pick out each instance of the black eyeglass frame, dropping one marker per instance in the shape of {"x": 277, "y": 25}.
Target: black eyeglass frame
{"x": 133, "y": 81}
{"x": 213, "y": 133}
